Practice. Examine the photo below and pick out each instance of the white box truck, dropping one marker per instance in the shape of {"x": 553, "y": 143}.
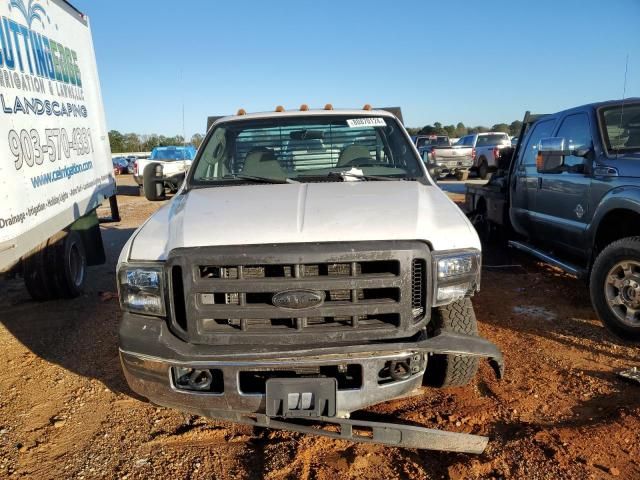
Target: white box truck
{"x": 55, "y": 159}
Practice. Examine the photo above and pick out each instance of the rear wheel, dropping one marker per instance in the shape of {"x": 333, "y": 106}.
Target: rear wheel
{"x": 483, "y": 169}
{"x": 453, "y": 370}
{"x": 462, "y": 175}
{"x": 615, "y": 288}
{"x": 57, "y": 269}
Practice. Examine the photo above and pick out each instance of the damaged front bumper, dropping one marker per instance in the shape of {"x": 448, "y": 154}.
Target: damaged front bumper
{"x": 240, "y": 378}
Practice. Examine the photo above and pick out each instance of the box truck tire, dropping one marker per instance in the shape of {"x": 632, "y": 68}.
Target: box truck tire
{"x": 57, "y": 269}
{"x": 153, "y": 182}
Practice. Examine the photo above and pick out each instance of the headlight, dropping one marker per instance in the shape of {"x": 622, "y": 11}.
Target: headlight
{"x": 141, "y": 289}
{"x": 456, "y": 274}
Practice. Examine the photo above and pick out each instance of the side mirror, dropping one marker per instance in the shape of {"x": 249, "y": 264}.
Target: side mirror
{"x": 552, "y": 152}
{"x": 153, "y": 182}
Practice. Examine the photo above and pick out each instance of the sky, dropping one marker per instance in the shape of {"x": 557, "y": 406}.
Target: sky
{"x": 479, "y": 62}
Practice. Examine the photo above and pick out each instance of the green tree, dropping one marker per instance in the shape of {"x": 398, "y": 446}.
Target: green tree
{"x": 439, "y": 129}
{"x": 171, "y": 141}
{"x": 478, "y": 129}
{"x": 451, "y": 130}
{"x": 461, "y": 130}
{"x": 131, "y": 142}
{"x": 116, "y": 140}
{"x": 427, "y": 130}
{"x": 500, "y": 127}
{"x": 196, "y": 139}
{"x": 149, "y": 142}
{"x": 514, "y": 128}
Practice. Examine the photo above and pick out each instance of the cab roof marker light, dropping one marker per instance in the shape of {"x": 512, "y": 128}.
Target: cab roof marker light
{"x": 328, "y": 106}
{"x": 366, "y": 107}
{"x": 279, "y": 109}
{"x": 304, "y": 107}
{"x": 241, "y": 111}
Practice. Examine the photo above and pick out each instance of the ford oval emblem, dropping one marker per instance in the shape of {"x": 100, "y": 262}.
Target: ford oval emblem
{"x": 298, "y": 299}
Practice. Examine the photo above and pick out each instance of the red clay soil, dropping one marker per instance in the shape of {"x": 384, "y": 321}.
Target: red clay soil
{"x": 561, "y": 411}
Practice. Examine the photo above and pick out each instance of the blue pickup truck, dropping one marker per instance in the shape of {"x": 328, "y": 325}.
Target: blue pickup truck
{"x": 569, "y": 194}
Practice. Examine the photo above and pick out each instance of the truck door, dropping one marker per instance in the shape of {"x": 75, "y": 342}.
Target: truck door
{"x": 524, "y": 181}
{"x": 562, "y": 210}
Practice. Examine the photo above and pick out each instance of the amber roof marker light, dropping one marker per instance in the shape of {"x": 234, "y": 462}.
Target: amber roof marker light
{"x": 241, "y": 111}
{"x": 279, "y": 109}
{"x": 366, "y": 107}
{"x": 304, "y": 107}
{"x": 328, "y": 106}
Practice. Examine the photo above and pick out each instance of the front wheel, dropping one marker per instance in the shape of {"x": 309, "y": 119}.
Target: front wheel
{"x": 453, "y": 370}
{"x": 615, "y": 288}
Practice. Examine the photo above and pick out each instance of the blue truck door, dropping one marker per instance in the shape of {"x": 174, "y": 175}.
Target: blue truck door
{"x": 562, "y": 210}
{"x": 524, "y": 182}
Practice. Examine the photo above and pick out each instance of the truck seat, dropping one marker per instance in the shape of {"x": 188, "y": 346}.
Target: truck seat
{"x": 352, "y": 152}
{"x": 262, "y": 162}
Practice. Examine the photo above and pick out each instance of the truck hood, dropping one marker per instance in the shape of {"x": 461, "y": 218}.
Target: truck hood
{"x": 303, "y": 213}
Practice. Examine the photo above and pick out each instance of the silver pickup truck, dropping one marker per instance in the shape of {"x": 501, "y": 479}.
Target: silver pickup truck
{"x": 485, "y": 150}
{"x": 450, "y": 159}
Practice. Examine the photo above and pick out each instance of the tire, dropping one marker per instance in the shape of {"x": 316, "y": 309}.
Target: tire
{"x": 453, "y": 370}
{"x": 483, "y": 169}
{"x": 610, "y": 281}
{"x": 58, "y": 269}
{"x": 462, "y": 175}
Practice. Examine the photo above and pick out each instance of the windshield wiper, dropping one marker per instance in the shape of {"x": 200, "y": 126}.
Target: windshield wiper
{"x": 361, "y": 176}
{"x": 252, "y": 178}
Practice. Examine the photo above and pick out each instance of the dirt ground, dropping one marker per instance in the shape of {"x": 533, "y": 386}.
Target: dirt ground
{"x": 561, "y": 412}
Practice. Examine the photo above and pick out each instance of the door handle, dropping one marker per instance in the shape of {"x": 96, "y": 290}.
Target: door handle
{"x": 539, "y": 183}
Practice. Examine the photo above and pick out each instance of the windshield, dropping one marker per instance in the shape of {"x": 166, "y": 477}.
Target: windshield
{"x": 299, "y": 148}
{"x": 497, "y": 139}
{"x": 431, "y": 142}
{"x": 173, "y": 153}
{"x": 621, "y": 127}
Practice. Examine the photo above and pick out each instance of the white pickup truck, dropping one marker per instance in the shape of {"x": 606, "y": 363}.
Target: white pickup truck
{"x": 308, "y": 267}
{"x": 174, "y": 162}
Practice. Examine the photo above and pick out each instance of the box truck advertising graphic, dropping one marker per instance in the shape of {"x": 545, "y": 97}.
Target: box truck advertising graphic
{"x": 55, "y": 160}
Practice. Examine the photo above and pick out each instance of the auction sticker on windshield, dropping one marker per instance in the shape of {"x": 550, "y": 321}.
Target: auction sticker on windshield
{"x": 366, "y": 122}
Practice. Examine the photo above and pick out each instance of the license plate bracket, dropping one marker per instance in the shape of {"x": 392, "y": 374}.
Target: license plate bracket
{"x": 301, "y": 397}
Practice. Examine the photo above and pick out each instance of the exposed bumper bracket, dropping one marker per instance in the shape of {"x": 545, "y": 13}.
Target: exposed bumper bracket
{"x": 454, "y": 343}
{"x": 391, "y": 434}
